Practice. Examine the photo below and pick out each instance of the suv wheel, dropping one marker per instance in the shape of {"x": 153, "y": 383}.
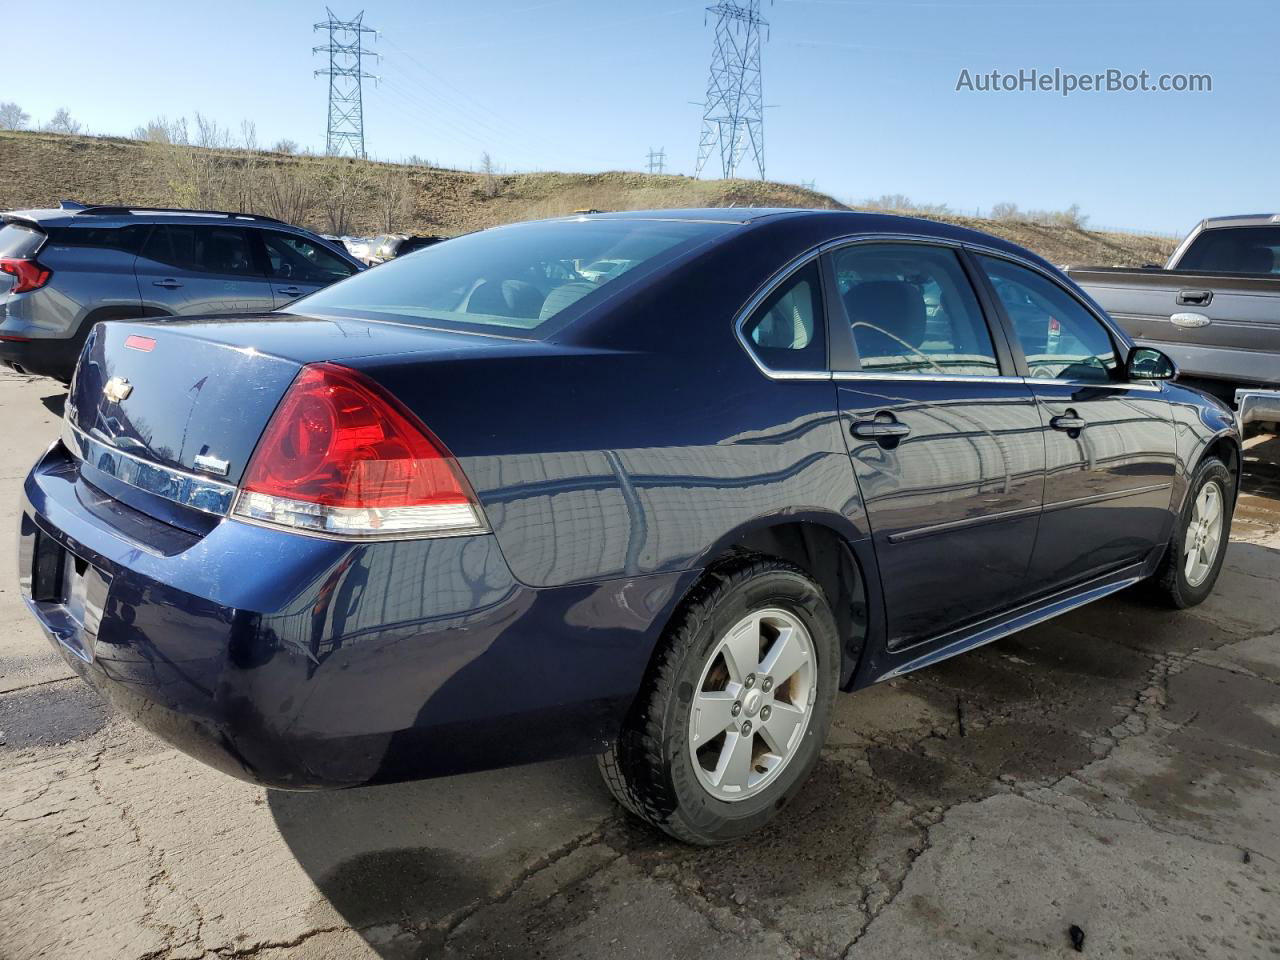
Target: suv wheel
{"x": 1199, "y": 543}
{"x": 736, "y": 706}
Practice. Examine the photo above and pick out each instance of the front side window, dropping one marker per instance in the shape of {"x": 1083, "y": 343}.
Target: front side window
{"x": 514, "y": 280}
{"x": 201, "y": 249}
{"x": 1060, "y": 338}
{"x": 912, "y": 310}
{"x": 299, "y": 260}
{"x": 787, "y": 331}
{"x": 1234, "y": 250}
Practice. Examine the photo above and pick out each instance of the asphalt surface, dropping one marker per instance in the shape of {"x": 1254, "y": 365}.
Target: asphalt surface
{"x": 1115, "y": 771}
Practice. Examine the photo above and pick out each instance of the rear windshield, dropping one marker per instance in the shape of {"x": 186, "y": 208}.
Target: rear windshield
{"x": 19, "y": 241}
{"x": 1234, "y": 250}
{"x": 513, "y": 280}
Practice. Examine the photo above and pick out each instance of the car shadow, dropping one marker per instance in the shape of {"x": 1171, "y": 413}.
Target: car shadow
{"x": 1262, "y": 467}
{"x": 55, "y": 403}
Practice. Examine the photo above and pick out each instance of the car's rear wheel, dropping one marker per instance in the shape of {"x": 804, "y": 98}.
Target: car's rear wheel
{"x": 1199, "y": 543}
{"x": 736, "y": 706}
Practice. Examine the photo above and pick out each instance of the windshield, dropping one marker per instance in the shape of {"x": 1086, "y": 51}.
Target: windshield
{"x": 1234, "y": 250}
{"x": 512, "y": 280}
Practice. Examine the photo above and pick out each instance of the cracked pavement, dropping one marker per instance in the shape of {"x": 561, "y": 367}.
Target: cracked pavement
{"x": 1116, "y": 769}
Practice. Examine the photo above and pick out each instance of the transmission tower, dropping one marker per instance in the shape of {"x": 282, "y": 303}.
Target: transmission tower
{"x": 346, "y": 76}
{"x": 657, "y": 160}
{"x": 733, "y": 113}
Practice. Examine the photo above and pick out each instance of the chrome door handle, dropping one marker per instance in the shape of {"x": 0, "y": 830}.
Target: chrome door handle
{"x": 289, "y": 291}
{"x": 879, "y": 429}
{"x": 168, "y": 284}
{"x": 1069, "y": 423}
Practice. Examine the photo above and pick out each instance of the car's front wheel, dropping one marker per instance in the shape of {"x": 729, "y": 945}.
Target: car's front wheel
{"x": 736, "y": 706}
{"x": 1199, "y": 543}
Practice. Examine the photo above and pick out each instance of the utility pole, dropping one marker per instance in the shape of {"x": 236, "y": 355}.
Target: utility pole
{"x": 807, "y": 184}
{"x": 346, "y": 74}
{"x": 657, "y": 160}
{"x": 733, "y": 113}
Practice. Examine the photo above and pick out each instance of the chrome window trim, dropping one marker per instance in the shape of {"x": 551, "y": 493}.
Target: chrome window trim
{"x": 763, "y": 292}
{"x": 179, "y": 486}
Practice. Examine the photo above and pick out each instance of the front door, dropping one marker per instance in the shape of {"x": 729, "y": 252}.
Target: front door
{"x": 299, "y": 266}
{"x": 1109, "y": 443}
{"x": 944, "y": 439}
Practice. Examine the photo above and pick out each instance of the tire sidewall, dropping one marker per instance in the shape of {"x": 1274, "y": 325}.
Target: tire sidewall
{"x": 708, "y": 817}
{"x": 1212, "y": 470}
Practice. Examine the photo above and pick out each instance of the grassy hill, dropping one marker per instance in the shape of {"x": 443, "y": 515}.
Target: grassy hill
{"x": 346, "y": 196}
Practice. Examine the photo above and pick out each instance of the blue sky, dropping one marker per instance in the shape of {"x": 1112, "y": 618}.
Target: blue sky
{"x": 864, "y": 90}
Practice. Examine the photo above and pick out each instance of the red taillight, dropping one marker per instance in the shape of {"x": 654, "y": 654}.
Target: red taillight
{"x": 31, "y": 276}
{"x": 342, "y": 456}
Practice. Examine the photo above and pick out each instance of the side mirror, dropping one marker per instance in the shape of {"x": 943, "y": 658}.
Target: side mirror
{"x": 1148, "y": 363}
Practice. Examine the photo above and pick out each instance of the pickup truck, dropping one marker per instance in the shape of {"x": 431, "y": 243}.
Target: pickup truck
{"x": 1214, "y": 309}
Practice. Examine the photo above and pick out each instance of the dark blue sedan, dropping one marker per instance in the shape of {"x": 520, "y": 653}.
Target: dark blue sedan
{"x": 653, "y": 485}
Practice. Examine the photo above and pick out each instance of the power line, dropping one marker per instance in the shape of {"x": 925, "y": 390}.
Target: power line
{"x": 733, "y": 113}
{"x": 345, "y": 131}
{"x": 657, "y": 160}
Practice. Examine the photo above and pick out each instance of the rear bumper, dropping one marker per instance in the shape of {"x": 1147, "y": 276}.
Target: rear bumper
{"x": 42, "y": 357}
{"x": 1257, "y": 406}
{"x": 299, "y": 662}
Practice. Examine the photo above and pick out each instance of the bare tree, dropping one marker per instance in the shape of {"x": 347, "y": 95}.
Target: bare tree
{"x": 288, "y": 192}
{"x": 13, "y": 117}
{"x": 1005, "y": 211}
{"x": 342, "y": 181}
{"x": 162, "y": 130}
{"x": 63, "y": 123}
{"x": 394, "y": 192}
{"x": 285, "y": 146}
{"x": 490, "y": 185}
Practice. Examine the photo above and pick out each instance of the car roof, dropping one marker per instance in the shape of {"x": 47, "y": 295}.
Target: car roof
{"x": 70, "y": 213}
{"x": 1242, "y": 220}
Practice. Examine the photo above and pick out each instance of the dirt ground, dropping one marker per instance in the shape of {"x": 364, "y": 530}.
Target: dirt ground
{"x": 1115, "y": 770}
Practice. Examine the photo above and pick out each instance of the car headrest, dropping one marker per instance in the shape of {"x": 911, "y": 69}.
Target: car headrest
{"x": 888, "y": 317}
{"x": 505, "y": 298}
{"x": 563, "y": 297}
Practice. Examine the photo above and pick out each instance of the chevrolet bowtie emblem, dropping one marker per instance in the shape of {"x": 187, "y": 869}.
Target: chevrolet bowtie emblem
{"x": 117, "y": 389}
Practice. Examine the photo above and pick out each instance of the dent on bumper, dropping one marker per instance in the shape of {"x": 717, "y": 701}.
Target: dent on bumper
{"x": 298, "y": 662}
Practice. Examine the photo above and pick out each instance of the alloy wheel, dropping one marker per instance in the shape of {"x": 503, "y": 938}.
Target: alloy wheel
{"x": 1204, "y": 534}
{"x": 753, "y": 703}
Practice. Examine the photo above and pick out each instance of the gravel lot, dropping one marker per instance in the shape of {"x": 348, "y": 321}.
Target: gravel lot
{"x": 1116, "y": 770}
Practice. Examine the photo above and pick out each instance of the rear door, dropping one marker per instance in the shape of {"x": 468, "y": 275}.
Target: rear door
{"x": 298, "y": 266}
{"x": 944, "y": 437}
{"x": 201, "y": 268}
{"x": 1109, "y": 443}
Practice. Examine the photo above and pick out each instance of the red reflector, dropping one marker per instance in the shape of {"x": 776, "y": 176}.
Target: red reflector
{"x": 10, "y": 338}
{"x": 340, "y": 440}
{"x": 31, "y": 276}
{"x": 135, "y": 342}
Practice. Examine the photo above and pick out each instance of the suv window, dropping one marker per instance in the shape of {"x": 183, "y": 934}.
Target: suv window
{"x": 295, "y": 258}
{"x": 202, "y": 249}
{"x": 126, "y": 239}
{"x": 19, "y": 241}
{"x": 787, "y": 331}
{"x": 1234, "y": 250}
{"x": 912, "y": 310}
{"x": 1060, "y": 338}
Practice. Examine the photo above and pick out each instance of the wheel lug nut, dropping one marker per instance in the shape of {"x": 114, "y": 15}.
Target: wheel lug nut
{"x": 746, "y": 727}
{"x": 767, "y": 684}
{"x": 735, "y": 709}
{"x": 750, "y": 681}
{"x": 765, "y": 711}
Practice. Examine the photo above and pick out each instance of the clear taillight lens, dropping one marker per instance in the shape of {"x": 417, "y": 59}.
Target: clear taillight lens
{"x": 341, "y": 456}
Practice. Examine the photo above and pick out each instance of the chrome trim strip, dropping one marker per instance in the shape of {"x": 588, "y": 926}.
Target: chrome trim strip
{"x": 922, "y": 377}
{"x": 919, "y": 532}
{"x": 187, "y": 489}
{"x": 1102, "y": 497}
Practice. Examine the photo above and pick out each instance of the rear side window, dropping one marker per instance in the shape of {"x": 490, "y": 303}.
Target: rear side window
{"x": 19, "y": 241}
{"x": 788, "y": 331}
{"x": 912, "y": 309}
{"x": 514, "y": 280}
{"x": 201, "y": 249}
{"x": 298, "y": 259}
{"x": 126, "y": 239}
{"x": 1060, "y": 338}
{"x": 1234, "y": 250}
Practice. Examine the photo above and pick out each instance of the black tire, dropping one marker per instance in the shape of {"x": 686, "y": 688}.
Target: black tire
{"x": 1170, "y": 581}
{"x": 649, "y": 768}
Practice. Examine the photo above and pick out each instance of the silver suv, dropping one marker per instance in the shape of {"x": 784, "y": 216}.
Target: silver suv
{"x": 63, "y": 270}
